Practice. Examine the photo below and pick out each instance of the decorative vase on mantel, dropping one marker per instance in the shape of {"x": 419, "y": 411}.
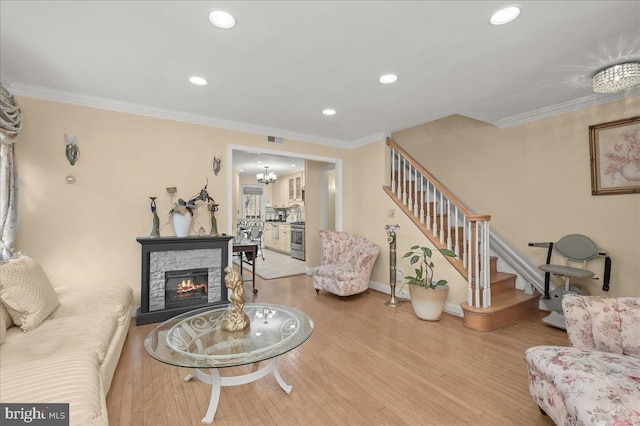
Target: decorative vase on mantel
{"x": 182, "y": 224}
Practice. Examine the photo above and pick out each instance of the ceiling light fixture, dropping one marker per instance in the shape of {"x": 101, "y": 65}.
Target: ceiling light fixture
{"x": 198, "y": 81}
{"x": 505, "y": 15}
{"x": 222, "y": 19}
{"x": 388, "y": 79}
{"x": 267, "y": 177}
{"x": 329, "y": 111}
{"x": 616, "y": 78}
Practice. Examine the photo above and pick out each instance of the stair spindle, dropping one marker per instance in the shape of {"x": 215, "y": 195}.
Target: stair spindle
{"x": 441, "y": 230}
{"x": 410, "y": 200}
{"x": 422, "y": 196}
{"x": 415, "y": 192}
{"x": 393, "y": 170}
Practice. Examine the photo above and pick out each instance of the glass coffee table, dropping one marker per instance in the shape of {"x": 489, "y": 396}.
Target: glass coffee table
{"x": 196, "y": 340}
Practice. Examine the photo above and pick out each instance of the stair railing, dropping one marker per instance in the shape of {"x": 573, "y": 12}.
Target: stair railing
{"x": 445, "y": 220}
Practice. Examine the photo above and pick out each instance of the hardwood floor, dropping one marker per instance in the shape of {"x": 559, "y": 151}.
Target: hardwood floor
{"x": 364, "y": 364}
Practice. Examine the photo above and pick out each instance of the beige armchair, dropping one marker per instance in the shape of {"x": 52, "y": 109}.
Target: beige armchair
{"x": 597, "y": 379}
{"x": 347, "y": 261}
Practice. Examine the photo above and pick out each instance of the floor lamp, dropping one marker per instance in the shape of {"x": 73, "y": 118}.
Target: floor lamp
{"x": 391, "y": 238}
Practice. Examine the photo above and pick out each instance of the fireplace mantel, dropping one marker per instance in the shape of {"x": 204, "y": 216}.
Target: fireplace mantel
{"x": 165, "y": 254}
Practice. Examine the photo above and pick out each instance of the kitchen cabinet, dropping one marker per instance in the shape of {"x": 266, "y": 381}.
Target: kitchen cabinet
{"x": 285, "y": 239}
{"x": 281, "y": 244}
{"x": 266, "y": 236}
{"x": 295, "y": 183}
{"x": 279, "y": 193}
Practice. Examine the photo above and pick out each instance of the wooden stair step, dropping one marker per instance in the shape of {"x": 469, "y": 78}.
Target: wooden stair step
{"x": 502, "y": 282}
{"x": 506, "y": 308}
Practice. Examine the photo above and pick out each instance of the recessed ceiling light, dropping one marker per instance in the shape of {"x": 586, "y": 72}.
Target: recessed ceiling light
{"x": 329, "y": 111}
{"x": 505, "y": 15}
{"x": 241, "y": 170}
{"x": 293, "y": 165}
{"x": 198, "y": 81}
{"x": 222, "y": 19}
{"x": 259, "y": 162}
{"x": 388, "y": 79}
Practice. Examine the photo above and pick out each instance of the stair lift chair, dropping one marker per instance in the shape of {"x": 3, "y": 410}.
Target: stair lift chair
{"x": 574, "y": 248}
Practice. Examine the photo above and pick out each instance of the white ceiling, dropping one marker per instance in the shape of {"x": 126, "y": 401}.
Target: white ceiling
{"x": 278, "y": 164}
{"x": 286, "y": 61}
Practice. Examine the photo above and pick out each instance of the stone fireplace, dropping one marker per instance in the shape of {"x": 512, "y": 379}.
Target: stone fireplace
{"x": 180, "y": 274}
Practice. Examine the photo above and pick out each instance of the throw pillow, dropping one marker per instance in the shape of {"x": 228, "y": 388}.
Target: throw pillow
{"x": 26, "y": 292}
{"x": 3, "y": 327}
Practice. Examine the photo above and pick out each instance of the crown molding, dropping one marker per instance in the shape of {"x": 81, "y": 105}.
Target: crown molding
{"x": 585, "y": 102}
{"x": 55, "y": 95}
{"x": 376, "y": 137}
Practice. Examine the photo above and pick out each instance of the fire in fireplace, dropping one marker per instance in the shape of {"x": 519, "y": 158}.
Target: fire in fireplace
{"x": 185, "y": 288}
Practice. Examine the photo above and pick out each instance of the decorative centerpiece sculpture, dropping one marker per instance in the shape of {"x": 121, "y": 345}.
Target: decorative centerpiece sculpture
{"x": 214, "y": 222}
{"x": 391, "y": 238}
{"x": 155, "y": 230}
{"x": 183, "y": 213}
{"x": 236, "y": 319}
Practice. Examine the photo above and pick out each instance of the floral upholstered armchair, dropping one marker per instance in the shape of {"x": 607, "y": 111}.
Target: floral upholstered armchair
{"x": 596, "y": 381}
{"x": 347, "y": 261}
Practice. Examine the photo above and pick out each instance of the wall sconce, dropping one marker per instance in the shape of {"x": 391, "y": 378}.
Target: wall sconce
{"x": 215, "y": 164}
{"x": 72, "y": 152}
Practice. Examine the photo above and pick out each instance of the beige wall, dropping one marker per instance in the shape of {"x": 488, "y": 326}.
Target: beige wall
{"x": 534, "y": 179}
{"x": 313, "y": 211}
{"x": 86, "y": 233}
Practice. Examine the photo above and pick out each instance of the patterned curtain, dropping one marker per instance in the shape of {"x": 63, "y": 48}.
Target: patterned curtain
{"x": 10, "y": 126}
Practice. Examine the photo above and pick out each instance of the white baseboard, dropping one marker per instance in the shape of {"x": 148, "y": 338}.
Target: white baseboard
{"x": 403, "y": 293}
{"x": 135, "y": 310}
{"x": 309, "y": 271}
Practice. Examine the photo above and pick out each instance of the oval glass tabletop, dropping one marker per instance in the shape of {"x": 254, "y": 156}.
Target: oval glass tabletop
{"x": 195, "y": 339}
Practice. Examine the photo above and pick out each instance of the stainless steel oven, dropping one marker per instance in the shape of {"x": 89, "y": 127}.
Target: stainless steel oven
{"x": 297, "y": 241}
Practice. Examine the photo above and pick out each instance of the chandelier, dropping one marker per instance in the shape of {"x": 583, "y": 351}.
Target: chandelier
{"x": 266, "y": 177}
{"x": 617, "y": 78}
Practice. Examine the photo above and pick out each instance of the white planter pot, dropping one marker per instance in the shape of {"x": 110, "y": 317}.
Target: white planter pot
{"x": 182, "y": 224}
{"x": 428, "y": 303}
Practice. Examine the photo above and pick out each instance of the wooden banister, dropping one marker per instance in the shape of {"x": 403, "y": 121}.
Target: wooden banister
{"x": 430, "y": 177}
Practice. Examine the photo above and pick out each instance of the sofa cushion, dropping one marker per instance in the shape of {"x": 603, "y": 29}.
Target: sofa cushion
{"x": 64, "y": 378}
{"x": 5, "y": 322}
{"x": 596, "y": 387}
{"x": 87, "y": 300}
{"x": 89, "y": 334}
{"x": 629, "y": 308}
{"x": 605, "y": 324}
{"x": 3, "y": 327}
{"x": 26, "y": 292}
{"x": 337, "y": 271}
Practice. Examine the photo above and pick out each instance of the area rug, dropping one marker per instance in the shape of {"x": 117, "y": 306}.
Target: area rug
{"x": 274, "y": 265}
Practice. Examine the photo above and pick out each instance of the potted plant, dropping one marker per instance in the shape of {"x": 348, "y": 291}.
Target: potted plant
{"x": 183, "y": 211}
{"x": 427, "y": 295}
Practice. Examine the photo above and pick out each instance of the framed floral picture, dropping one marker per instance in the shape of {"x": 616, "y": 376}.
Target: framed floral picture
{"x": 615, "y": 157}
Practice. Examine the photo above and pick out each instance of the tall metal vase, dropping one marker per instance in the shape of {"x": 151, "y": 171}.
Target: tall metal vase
{"x": 391, "y": 238}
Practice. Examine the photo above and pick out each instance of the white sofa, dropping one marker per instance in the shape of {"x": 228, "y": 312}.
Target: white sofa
{"x": 71, "y": 355}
